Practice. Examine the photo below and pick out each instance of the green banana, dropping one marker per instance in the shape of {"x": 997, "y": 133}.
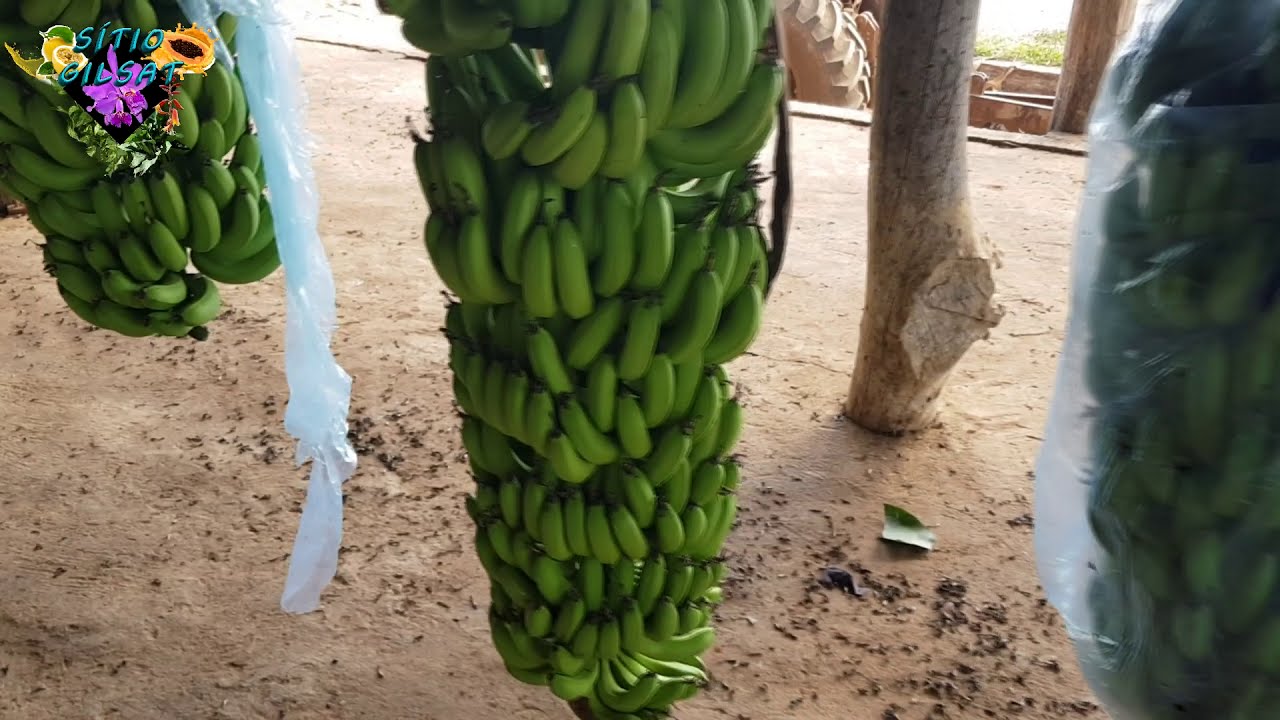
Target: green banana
{"x": 702, "y": 64}
{"x": 570, "y": 121}
{"x": 641, "y": 341}
{"x": 575, "y": 168}
{"x": 660, "y": 68}
{"x": 205, "y": 230}
{"x": 576, "y": 61}
{"x": 476, "y": 263}
{"x": 50, "y": 174}
{"x": 656, "y": 239}
{"x": 601, "y": 393}
{"x": 241, "y": 272}
{"x": 538, "y": 285}
{"x": 573, "y": 285}
{"x": 475, "y": 26}
{"x": 50, "y": 130}
{"x": 595, "y": 333}
{"x": 628, "y": 131}
{"x": 616, "y": 267}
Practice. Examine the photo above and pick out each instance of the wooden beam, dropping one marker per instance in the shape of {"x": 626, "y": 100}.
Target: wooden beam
{"x": 1096, "y": 27}
{"x": 1018, "y": 78}
{"x": 996, "y": 113}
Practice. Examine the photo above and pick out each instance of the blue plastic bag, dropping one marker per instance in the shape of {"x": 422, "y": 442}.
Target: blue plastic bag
{"x": 319, "y": 389}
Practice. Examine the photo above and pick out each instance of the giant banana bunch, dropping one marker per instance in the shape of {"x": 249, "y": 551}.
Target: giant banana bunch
{"x": 1183, "y": 361}
{"x": 598, "y": 230}
{"x": 122, "y": 248}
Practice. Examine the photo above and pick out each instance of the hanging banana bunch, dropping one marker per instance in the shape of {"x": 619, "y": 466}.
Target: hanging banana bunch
{"x": 593, "y": 208}
{"x": 122, "y": 245}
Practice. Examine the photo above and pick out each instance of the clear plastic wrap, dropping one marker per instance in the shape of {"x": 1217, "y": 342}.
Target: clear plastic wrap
{"x": 319, "y": 389}
{"x": 1158, "y": 484}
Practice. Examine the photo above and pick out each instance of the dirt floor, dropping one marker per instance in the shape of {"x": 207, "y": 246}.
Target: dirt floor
{"x": 151, "y": 500}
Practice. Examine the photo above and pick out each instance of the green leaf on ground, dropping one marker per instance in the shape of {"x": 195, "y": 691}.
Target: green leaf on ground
{"x": 903, "y": 528}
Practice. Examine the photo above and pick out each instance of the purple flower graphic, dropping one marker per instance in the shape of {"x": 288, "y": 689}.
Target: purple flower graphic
{"x": 119, "y": 105}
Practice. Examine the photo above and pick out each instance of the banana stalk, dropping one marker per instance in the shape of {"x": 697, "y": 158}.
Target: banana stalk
{"x": 598, "y": 229}
{"x": 120, "y": 247}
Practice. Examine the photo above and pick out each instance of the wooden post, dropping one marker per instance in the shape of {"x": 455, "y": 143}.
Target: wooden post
{"x": 929, "y": 269}
{"x": 1096, "y": 27}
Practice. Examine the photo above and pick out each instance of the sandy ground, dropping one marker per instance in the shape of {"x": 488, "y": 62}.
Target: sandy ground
{"x": 150, "y": 500}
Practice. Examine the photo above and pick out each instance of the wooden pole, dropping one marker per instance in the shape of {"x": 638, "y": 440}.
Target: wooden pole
{"x": 929, "y": 270}
{"x": 1095, "y": 29}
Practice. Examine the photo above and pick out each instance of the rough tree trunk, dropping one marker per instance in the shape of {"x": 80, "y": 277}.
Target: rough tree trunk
{"x": 929, "y": 270}
{"x": 1096, "y": 26}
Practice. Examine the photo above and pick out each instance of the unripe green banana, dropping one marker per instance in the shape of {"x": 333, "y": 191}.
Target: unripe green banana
{"x": 575, "y": 523}
{"x": 476, "y": 262}
{"x": 656, "y": 241}
{"x": 520, "y": 212}
{"x": 50, "y": 129}
{"x": 702, "y": 63}
{"x": 660, "y": 68}
{"x": 552, "y": 530}
{"x": 576, "y": 62}
{"x": 626, "y": 530}
{"x": 474, "y": 26}
{"x": 640, "y": 344}
{"x": 600, "y": 396}
{"x": 590, "y": 443}
{"x": 616, "y": 267}
{"x": 549, "y": 141}
{"x": 78, "y": 281}
{"x": 60, "y": 249}
{"x": 595, "y": 333}
{"x": 698, "y": 324}
{"x": 633, "y": 432}
{"x": 679, "y": 486}
{"x": 505, "y": 130}
{"x": 628, "y": 129}
{"x": 641, "y": 499}
{"x": 604, "y": 547}
{"x": 572, "y": 272}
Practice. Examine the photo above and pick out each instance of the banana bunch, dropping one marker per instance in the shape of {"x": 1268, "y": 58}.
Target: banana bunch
{"x": 1183, "y": 363}
{"x": 593, "y": 208}
{"x": 120, "y": 248}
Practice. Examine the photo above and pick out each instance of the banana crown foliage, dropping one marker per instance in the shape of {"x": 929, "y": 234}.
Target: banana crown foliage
{"x": 593, "y": 210}
{"x": 137, "y": 255}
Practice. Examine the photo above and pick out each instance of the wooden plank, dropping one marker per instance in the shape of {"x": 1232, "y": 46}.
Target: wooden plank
{"x": 1045, "y": 100}
{"x": 1096, "y": 26}
{"x": 1009, "y": 115}
{"x": 1057, "y": 143}
{"x": 1018, "y": 78}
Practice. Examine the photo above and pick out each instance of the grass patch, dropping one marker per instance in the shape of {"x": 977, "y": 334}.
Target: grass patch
{"x": 1039, "y": 48}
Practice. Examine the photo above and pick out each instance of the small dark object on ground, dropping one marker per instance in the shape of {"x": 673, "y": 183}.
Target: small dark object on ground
{"x": 11, "y": 208}
{"x": 841, "y": 579}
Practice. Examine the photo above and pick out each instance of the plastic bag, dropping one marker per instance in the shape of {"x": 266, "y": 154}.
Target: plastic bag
{"x": 1158, "y": 484}
{"x": 319, "y": 389}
